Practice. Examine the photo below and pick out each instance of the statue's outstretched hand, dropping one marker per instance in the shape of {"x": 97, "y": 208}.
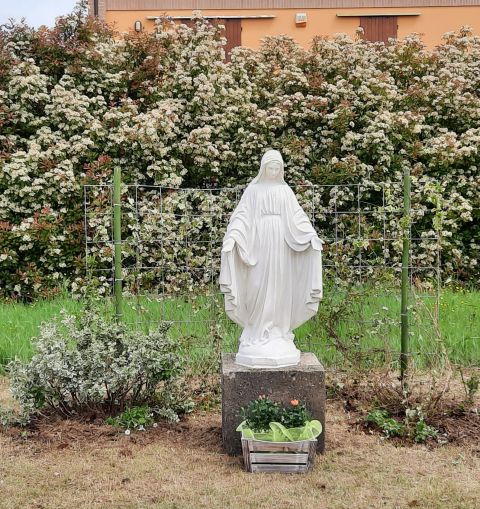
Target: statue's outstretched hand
{"x": 228, "y": 245}
{"x": 316, "y": 243}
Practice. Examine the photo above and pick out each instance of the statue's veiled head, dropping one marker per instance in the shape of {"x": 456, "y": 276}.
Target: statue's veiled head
{"x": 271, "y": 168}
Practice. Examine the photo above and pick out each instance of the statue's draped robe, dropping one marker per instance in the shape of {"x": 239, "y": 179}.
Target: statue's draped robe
{"x": 272, "y": 279}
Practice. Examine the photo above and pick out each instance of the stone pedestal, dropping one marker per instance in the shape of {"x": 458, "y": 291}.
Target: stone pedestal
{"x": 241, "y": 384}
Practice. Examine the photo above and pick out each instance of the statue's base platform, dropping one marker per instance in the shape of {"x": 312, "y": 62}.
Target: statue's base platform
{"x": 258, "y": 362}
{"x": 241, "y": 384}
{"x": 274, "y": 353}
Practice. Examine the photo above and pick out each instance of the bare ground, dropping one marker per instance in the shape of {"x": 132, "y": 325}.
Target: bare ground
{"x": 67, "y": 464}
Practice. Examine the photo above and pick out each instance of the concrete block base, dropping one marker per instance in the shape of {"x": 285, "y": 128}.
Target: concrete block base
{"x": 241, "y": 384}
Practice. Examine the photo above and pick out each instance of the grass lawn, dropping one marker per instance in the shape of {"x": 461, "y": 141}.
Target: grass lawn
{"x": 368, "y": 328}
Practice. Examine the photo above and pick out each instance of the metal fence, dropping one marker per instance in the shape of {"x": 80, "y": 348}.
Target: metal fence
{"x": 171, "y": 242}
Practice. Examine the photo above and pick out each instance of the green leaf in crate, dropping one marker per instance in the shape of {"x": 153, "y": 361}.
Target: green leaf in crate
{"x": 279, "y": 433}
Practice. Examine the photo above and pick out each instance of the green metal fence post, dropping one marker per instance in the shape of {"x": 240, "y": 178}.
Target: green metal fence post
{"x": 117, "y": 239}
{"x": 405, "y": 279}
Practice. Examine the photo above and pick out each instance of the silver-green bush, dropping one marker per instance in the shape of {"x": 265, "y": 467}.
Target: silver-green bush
{"x": 92, "y": 364}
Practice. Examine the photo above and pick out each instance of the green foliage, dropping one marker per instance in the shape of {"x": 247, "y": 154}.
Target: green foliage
{"x": 259, "y": 413}
{"x": 471, "y": 385}
{"x": 91, "y": 363}
{"x": 390, "y": 426}
{"x": 422, "y": 431}
{"x": 295, "y": 414}
{"x": 8, "y": 418}
{"x": 137, "y": 417}
{"x": 281, "y": 433}
{"x": 413, "y": 426}
{"x": 79, "y": 99}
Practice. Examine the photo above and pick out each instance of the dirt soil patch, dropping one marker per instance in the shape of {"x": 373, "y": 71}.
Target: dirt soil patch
{"x": 67, "y": 464}
{"x": 442, "y": 401}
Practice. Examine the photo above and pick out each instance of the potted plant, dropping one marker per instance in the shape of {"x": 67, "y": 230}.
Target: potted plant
{"x": 277, "y": 438}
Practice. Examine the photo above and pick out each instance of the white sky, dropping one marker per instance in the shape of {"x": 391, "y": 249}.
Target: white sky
{"x": 35, "y": 12}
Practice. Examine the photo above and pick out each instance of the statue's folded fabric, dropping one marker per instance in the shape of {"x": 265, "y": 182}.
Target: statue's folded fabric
{"x": 271, "y": 267}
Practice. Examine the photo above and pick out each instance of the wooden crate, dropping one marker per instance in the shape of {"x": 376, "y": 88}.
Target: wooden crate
{"x": 290, "y": 457}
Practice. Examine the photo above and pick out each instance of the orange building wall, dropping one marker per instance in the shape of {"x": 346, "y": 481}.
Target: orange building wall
{"x": 432, "y": 21}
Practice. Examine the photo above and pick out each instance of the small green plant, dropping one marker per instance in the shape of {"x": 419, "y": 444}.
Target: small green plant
{"x": 7, "y": 417}
{"x": 137, "y": 417}
{"x": 471, "y": 386}
{"x": 260, "y": 412}
{"x": 414, "y": 425}
{"x": 422, "y": 432}
{"x": 390, "y": 426}
{"x": 418, "y": 429}
{"x": 295, "y": 415}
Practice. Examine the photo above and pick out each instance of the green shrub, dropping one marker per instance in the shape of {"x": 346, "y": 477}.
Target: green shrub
{"x": 91, "y": 363}
{"x": 259, "y": 413}
{"x": 295, "y": 415}
{"x": 78, "y": 99}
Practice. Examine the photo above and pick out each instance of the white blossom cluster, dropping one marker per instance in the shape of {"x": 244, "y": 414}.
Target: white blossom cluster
{"x": 78, "y": 100}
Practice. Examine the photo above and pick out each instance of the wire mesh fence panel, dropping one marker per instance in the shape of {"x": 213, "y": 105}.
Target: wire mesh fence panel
{"x": 171, "y": 245}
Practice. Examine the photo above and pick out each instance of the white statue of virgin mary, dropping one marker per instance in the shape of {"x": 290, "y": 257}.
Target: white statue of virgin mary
{"x": 271, "y": 268}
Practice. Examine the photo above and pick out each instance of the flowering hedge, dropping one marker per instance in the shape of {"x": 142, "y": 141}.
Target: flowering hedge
{"x": 76, "y": 100}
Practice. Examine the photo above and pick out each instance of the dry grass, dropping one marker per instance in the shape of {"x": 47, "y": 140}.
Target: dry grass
{"x": 71, "y": 465}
